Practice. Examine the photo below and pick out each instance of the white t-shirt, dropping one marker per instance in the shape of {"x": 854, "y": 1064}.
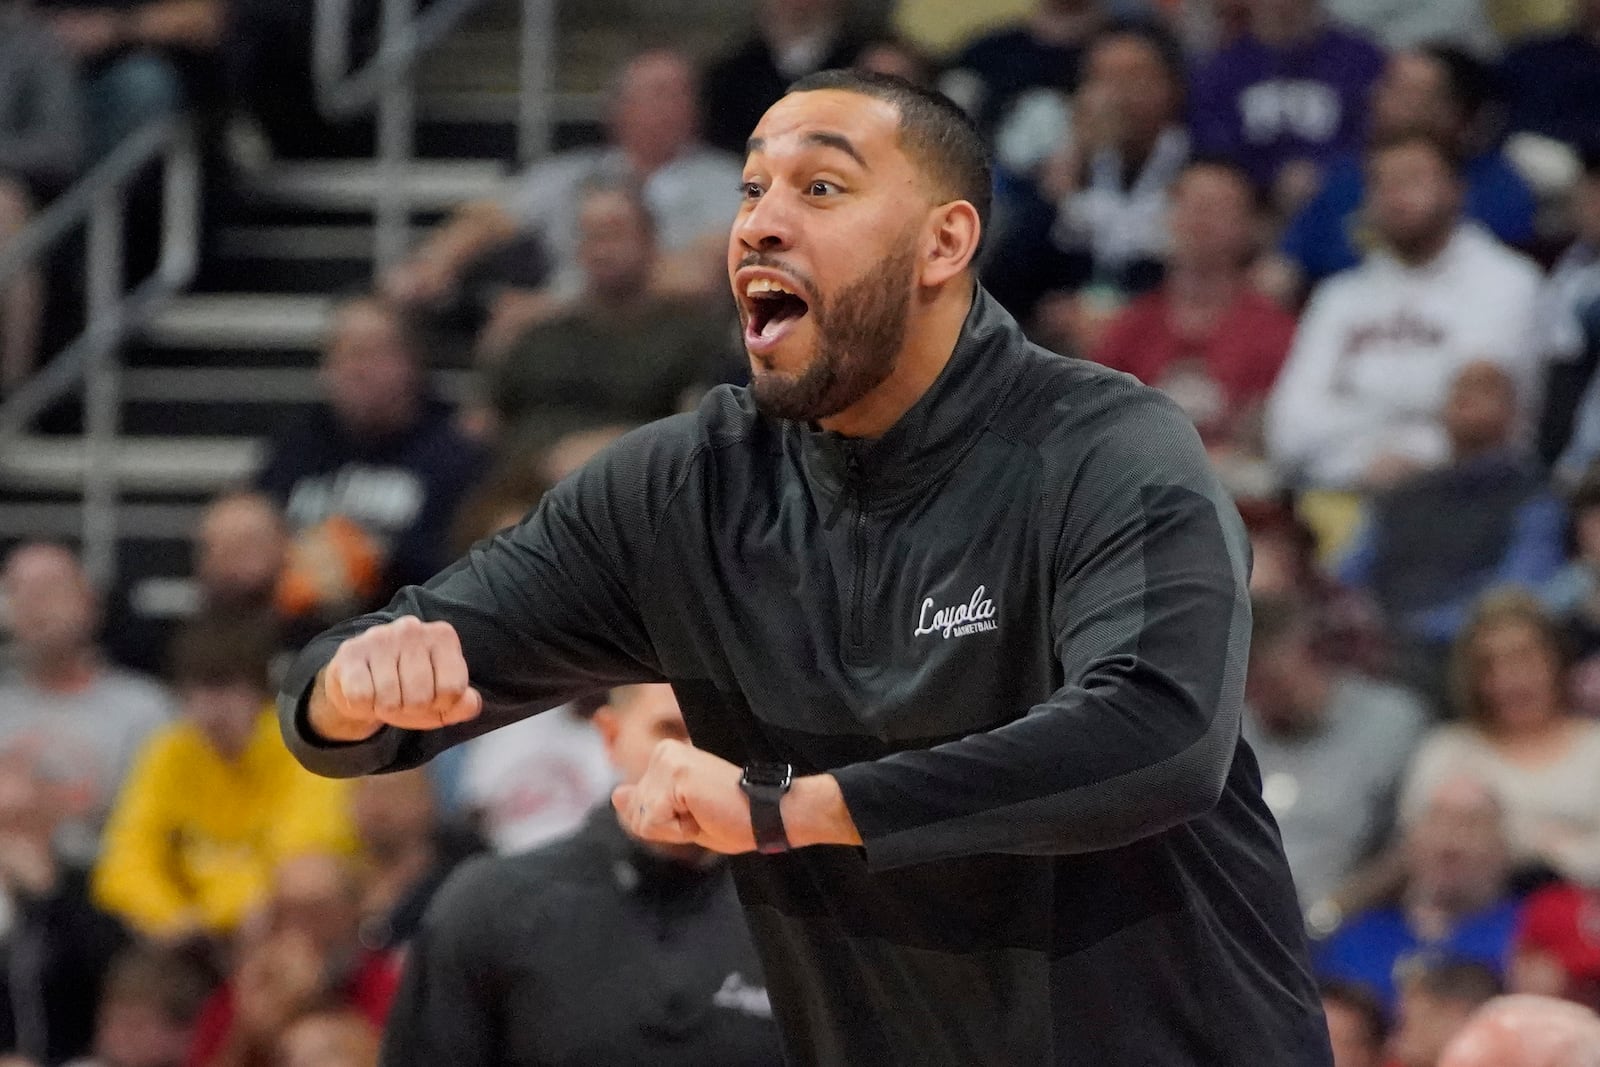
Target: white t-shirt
{"x": 537, "y": 779}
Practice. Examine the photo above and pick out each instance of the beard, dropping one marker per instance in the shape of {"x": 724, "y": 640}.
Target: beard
{"x": 859, "y": 336}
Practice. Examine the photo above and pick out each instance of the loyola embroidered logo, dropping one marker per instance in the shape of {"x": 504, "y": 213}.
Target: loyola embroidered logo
{"x": 957, "y": 620}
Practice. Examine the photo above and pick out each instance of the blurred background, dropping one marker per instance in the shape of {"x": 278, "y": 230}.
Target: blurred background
{"x": 300, "y": 298}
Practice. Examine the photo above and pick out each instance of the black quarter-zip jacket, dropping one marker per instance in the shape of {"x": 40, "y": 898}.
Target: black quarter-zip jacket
{"x": 1014, "y": 628}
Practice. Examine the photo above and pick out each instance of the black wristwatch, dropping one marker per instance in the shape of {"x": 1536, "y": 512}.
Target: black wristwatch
{"x": 765, "y": 784}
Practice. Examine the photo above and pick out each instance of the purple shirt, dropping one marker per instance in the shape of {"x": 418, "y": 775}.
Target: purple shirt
{"x": 1265, "y": 106}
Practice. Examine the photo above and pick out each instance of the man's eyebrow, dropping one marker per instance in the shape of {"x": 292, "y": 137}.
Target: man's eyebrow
{"x": 819, "y": 138}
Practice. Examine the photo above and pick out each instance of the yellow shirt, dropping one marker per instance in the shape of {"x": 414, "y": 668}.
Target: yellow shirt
{"x": 194, "y": 838}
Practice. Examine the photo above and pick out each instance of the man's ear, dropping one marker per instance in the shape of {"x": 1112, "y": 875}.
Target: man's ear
{"x": 954, "y": 232}
{"x": 609, "y": 724}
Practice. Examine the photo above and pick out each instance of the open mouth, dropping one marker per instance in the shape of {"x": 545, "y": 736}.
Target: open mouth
{"x": 773, "y": 312}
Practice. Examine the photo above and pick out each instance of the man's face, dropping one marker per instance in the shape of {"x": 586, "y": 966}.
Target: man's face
{"x": 1456, "y": 851}
{"x": 312, "y": 896}
{"x": 655, "y": 111}
{"x": 240, "y": 549}
{"x": 370, "y": 377}
{"x": 1212, "y": 217}
{"x": 1276, "y": 684}
{"x": 1427, "y": 1023}
{"x": 615, "y": 247}
{"x": 834, "y": 213}
{"x": 1413, "y": 198}
{"x": 637, "y": 719}
{"x": 138, "y": 1033}
{"x": 225, "y": 714}
{"x": 50, "y": 605}
{"x": 1129, "y": 71}
{"x": 1413, "y": 96}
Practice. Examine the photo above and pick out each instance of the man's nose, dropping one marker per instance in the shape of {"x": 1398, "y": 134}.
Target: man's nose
{"x": 768, "y": 225}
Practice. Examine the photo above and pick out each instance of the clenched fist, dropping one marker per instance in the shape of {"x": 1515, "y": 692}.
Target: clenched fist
{"x": 406, "y": 673}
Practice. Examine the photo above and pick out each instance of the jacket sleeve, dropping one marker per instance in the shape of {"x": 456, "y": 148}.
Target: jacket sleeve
{"x": 1151, "y": 625}
{"x": 135, "y": 876}
{"x": 546, "y": 612}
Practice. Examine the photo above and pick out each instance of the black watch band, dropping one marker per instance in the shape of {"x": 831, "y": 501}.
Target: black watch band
{"x": 765, "y": 784}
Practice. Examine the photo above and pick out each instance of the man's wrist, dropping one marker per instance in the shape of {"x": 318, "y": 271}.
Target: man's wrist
{"x": 814, "y": 813}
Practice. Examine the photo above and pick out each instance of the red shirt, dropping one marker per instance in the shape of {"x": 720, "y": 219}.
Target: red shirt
{"x": 1563, "y": 921}
{"x": 369, "y": 992}
{"x": 1218, "y": 377}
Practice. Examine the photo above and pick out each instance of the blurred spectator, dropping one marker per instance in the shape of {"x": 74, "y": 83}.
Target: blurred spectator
{"x": 1286, "y": 99}
{"x": 147, "y": 1013}
{"x": 1437, "y": 997}
{"x": 1505, "y": 526}
{"x": 131, "y": 53}
{"x": 899, "y": 57}
{"x": 596, "y": 950}
{"x": 1573, "y": 594}
{"x": 1552, "y": 83}
{"x": 1443, "y": 93}
{"x": 793, "y": 38}
{"x": 1462, "y": 23}
{"x": 1358, "y": 403}
{"x": 996, "y": 72}
{"x": 1106, "y": 182}
{"x": 1332, "y": 746}
{"x": 407, "y": 852}
{"x": 216, "y": 800}
{"x": 370, "y": 480}
{"x": 306, "y": 956}
{"x": 692, "y": 191}
{"x": 241, "y": 545}
{"x": 1357, "y": 1024}
{"x": 1558, "y": 944}
{"x": 40, "y": 147}
{"x": 536, "y": 780}
{"x": 1206, "y": 338}
{"x": 1455, "y": 902}
{"x": 1518, "y": 734}
{"x": 61, "y": 698}
{"x": 1570, "y": 321}
{"x": 329, "y": 1039}
{"x": 620, "y": 354}
{"x": 1527, "y": 1031}
{"x": 59, "y": 945}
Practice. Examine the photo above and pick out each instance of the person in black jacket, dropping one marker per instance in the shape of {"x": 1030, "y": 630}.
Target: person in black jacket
{"x": 596, "y": 949}
{"x": 958, "y": 627}
{"x": 54, "y": 959}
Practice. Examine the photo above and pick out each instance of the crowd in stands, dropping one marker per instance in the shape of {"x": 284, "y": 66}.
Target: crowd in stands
{"x": 1357, "y": 242}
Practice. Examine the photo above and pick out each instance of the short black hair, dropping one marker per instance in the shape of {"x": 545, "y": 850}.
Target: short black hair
{"x": 933, "y": 130}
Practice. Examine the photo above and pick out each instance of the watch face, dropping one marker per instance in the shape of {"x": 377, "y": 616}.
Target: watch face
{"x": 775, "y": 775}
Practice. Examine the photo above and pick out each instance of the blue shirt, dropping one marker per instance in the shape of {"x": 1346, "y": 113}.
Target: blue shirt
{"x": 1370, "y": 947}
{"x": 1322, "y": 238}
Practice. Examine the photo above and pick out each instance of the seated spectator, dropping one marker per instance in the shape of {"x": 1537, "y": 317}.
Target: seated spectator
{"x": 1440, "y": 92}
{"x": 369, "y": 480}
{"x": 1572, "y": 595}
{"x": 1518, "y": 734}
{"x": 305, "y": 956}
{"x": 147, "y": 1013}
{"x": 1460, "y": 23}
{"x": 1526, "y": 1031}
{"x": 599, "y": 949}
{"x": 1552, "y": 83}
{"x": 1286, "y": 99}
{"x": 996, "y": 72}
{"x": 406, "y": 853}
{"x": 1108, "y": 181}
{"x": 1206, "y": 338}
{"x": 1557, "y": 950}
{"x": 620, "y": 354}
{"x": 1455, "y": 901}
{"x": 1437, "y": 997}
{"x": 61, "y": 698}
{"x": 1332, "y": 747}
{"x": 59, "y": 944}
{"x": 1357, "y": 1024}
{"x": 132, "y": 54}
{"x": 654, "y": 142}
{"x": 40, "y": 147}
{"x": 1570, "y": 321}
{"x": 1505, "y": 526}
{"x": 240, "y": 549}
{"x": 216, "y": 800}
{"x": 792, "y": 38}
{"x": 329, "y": 1039}
{"x": 1358, "y": 403}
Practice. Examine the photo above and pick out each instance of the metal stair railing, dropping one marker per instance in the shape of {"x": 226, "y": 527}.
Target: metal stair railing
{"x": 112, "y": 311}
{"x": 386, "y": 84}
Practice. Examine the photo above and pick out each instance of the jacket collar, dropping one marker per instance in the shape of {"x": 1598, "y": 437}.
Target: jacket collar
{"x": 939, "y": 428}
